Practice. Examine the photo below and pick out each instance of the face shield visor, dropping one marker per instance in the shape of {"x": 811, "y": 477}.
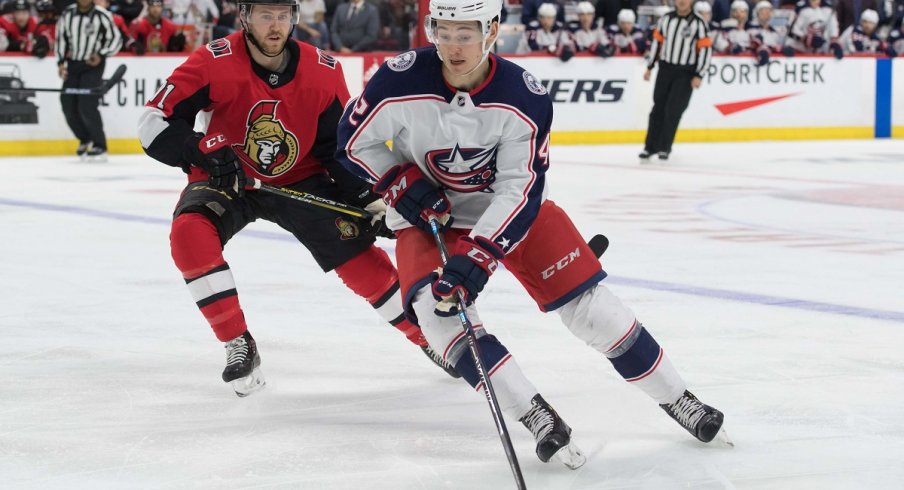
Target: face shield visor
{"x": 263, "y": 15}
{"x": 454, "y": 33}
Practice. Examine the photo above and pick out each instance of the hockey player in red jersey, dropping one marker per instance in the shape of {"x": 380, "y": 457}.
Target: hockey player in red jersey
{"x": 273, "y": 105}
{"x": 480, "y": 171}
{"x": 152, "y": 32}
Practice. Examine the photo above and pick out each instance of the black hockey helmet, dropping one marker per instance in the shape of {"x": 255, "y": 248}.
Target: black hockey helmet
{"x": 246, "y": 16}
{"x": 45, "y": 6}
{"x": 17, "y": 5}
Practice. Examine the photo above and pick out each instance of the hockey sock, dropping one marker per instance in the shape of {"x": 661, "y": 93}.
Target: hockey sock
{"x": 513, "y": 390}
{"x": 196, "y": 250}
{"x": 372, "y": 276}
{"x": 641, "y": 361}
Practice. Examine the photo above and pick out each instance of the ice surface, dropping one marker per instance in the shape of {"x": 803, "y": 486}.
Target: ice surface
{"x": 770, "y": 272}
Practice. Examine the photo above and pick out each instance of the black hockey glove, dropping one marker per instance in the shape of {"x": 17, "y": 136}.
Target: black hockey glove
{"x": 737, "y": 49}
{"x": 41, "y": 47}
{"x": 891, "y": 52}
{"x": 213, "y": 154}
{"x": 603, "y": 51}
{"x": 816, "y": 42}
{"x": 373, "y": 204}
{"x": 406, "y": 189}
{"x": 762, "y": 57}
{"x": 567, "y": 54}
{"x": 176, "y": 43}
{"x": 140, "y": 48}
{"x": 836, "y": 50}
{"x": 788, "y": 51}
{"x": 858, "y": 45}
{"x": 468, "y": 270}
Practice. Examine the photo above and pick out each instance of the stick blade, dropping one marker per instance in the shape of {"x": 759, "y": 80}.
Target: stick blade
{"x": 114, "y": 79}
{"x": 598, "y": 244}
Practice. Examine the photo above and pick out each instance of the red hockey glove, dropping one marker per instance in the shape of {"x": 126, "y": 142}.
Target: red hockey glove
{"x": 213, "y": 154}
{"x": 467, "y": 270}
{"x": 417, "y": 200}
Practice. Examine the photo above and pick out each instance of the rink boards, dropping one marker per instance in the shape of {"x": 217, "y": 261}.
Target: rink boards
{"x": 596, "y": 100}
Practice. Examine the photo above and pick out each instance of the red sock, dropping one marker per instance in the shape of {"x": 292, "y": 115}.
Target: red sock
{"x": 197, "y": 252}
{"x": 372, "y": 276}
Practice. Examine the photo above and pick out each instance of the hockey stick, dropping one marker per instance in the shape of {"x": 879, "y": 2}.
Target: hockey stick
{"x": 312, "y": 199}
{"x": 481, "y": 369}
{"x": 99, "y": 90}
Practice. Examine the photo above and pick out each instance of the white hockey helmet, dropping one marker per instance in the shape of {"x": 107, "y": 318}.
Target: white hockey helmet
{"x": 702, "y": 7}
{"x": 627, "y": 16}
{"x": 547, "y": 10}
{"x": 585, "y": 8}
{"x": 483, "y": 11}
{"x": 740, "y": 5}
{"x": 762, "y": 4}
{"x": 869, "y": 15}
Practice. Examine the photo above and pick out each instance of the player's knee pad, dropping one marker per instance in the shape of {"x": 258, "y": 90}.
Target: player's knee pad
{"x": 598, "y": 318}
{"x": 445, "y": 334}
{"x": 493, "y": 352}
{"x": 195, "y": 244}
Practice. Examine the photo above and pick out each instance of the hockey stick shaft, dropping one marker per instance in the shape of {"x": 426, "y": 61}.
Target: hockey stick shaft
{"x": 99, "y": 90}
{"x": 313, "y": 200}
{"x": 481, "y": 368}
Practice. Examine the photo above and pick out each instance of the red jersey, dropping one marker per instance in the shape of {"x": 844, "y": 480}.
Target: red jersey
{"x": 281, "y": 125}
{"x": 154, "y": 36}
{"x": 47, "y": 28}
{"x": 20, "y": 39}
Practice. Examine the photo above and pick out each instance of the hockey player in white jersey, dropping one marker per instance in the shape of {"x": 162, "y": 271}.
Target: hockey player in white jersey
{"x": 626, "y": 36}
{"x": 815, "y": 29}
{"x": 863, "y": 38}
{"x": 469, "y": 136}
{"x": 546, "y": 34}
{"x": 733, "y": 37}
{"x": 766, "y": 39}
{"x": 587, "y": 33}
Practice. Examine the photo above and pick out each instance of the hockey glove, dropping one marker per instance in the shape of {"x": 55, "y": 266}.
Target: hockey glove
{"x": 737, "y": 49}
{"x": 762, "y": 57}
{"x": 373, "y": 204}
{"x": 176, "y": 43}
{"x": 788, "y": 51}
{"x": 836, "y": 50}
{"x": 213, "y": 154}
{"x": 858, "y": 45}
{"x": 891, "y": 52}
{"x": 815, "y": 42}
{"x": 567, "y": 54}
{"x": 603, "y": 51}
{"x": 41, "y": 47}
{"x": 467, "y": 270}
{"x": 405, "y": 189}
{"x": 140, "y": 47}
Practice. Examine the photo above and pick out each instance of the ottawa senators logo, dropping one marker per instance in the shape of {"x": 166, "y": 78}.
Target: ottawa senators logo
{"x": 347, "y": 229}
{"x": 268, "y": 147}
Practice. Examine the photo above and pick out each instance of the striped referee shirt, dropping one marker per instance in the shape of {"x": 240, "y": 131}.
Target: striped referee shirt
{"x": 681, "y": 40}
{"x": 79, "y": 35}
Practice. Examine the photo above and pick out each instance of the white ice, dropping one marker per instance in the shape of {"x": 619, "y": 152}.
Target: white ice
{"x": 770, "y": 272}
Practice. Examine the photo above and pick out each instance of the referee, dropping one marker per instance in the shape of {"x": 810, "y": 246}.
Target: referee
{"x": 86, "y": 36}
{"x": 683, "y": 48}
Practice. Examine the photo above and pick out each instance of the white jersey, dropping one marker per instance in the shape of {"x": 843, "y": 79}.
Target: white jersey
{"x": 588, "y": 39}
{"x": 813, "y": 22}
{"x": 486, "y": 149}
{"x": 767, "y": 38}
{"x": 732, "y": 38}
{"x": 854, "y": 40}
{"x": 537, "y": 39}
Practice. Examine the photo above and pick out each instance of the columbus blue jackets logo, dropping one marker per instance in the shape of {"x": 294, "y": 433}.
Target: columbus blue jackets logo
{"x": 269, "y": 147}
{"x": 464, "y": 169}
{"x": 402, "y": 61}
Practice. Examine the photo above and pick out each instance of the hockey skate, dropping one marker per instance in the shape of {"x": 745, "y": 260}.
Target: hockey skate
{"x": 552, "y": 434}
{"x": 437, "y": 359}
{"x": 702, "y": 421}
{"x": 83, "y": 149}
{"x": 243, "y": 365}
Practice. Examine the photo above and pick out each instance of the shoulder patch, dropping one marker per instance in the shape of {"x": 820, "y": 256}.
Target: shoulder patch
{"x": 402, "y": 61}
{"x": 219, "y": 47}
{"x": 533, "y": 84}
{"x": 326, "y": 60}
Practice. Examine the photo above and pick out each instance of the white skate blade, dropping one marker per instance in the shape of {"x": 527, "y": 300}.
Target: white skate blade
{"x": 723, "y": 439}
{"x": 249, "y": 384}
{"x": 571, "y": 456}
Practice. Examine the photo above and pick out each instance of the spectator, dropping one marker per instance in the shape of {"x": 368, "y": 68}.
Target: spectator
{"x": 355, "y": 27}
{"x": 766, "y": 39}
{"x": 154, "y": 33}
{"x": 311, "y": 26}
{"x": 862, "y": 38}
{"x": 849, "y": 11}
{"x": 227, "y": 21}
{"x": 546, "y": 34}
{"x": 626, "y": 36}
{"x": 128, "y": 9}
{"x": 529, "y": 10}
{"x": 21, "y": 28}
{"x": 395, "y": 19}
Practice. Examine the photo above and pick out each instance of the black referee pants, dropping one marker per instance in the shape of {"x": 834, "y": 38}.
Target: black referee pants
{"x": 81, "y": 111}
{"x": 671, "y": 95}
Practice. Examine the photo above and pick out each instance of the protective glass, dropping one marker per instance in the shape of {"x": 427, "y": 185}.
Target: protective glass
{"x": 264, "y": 15}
